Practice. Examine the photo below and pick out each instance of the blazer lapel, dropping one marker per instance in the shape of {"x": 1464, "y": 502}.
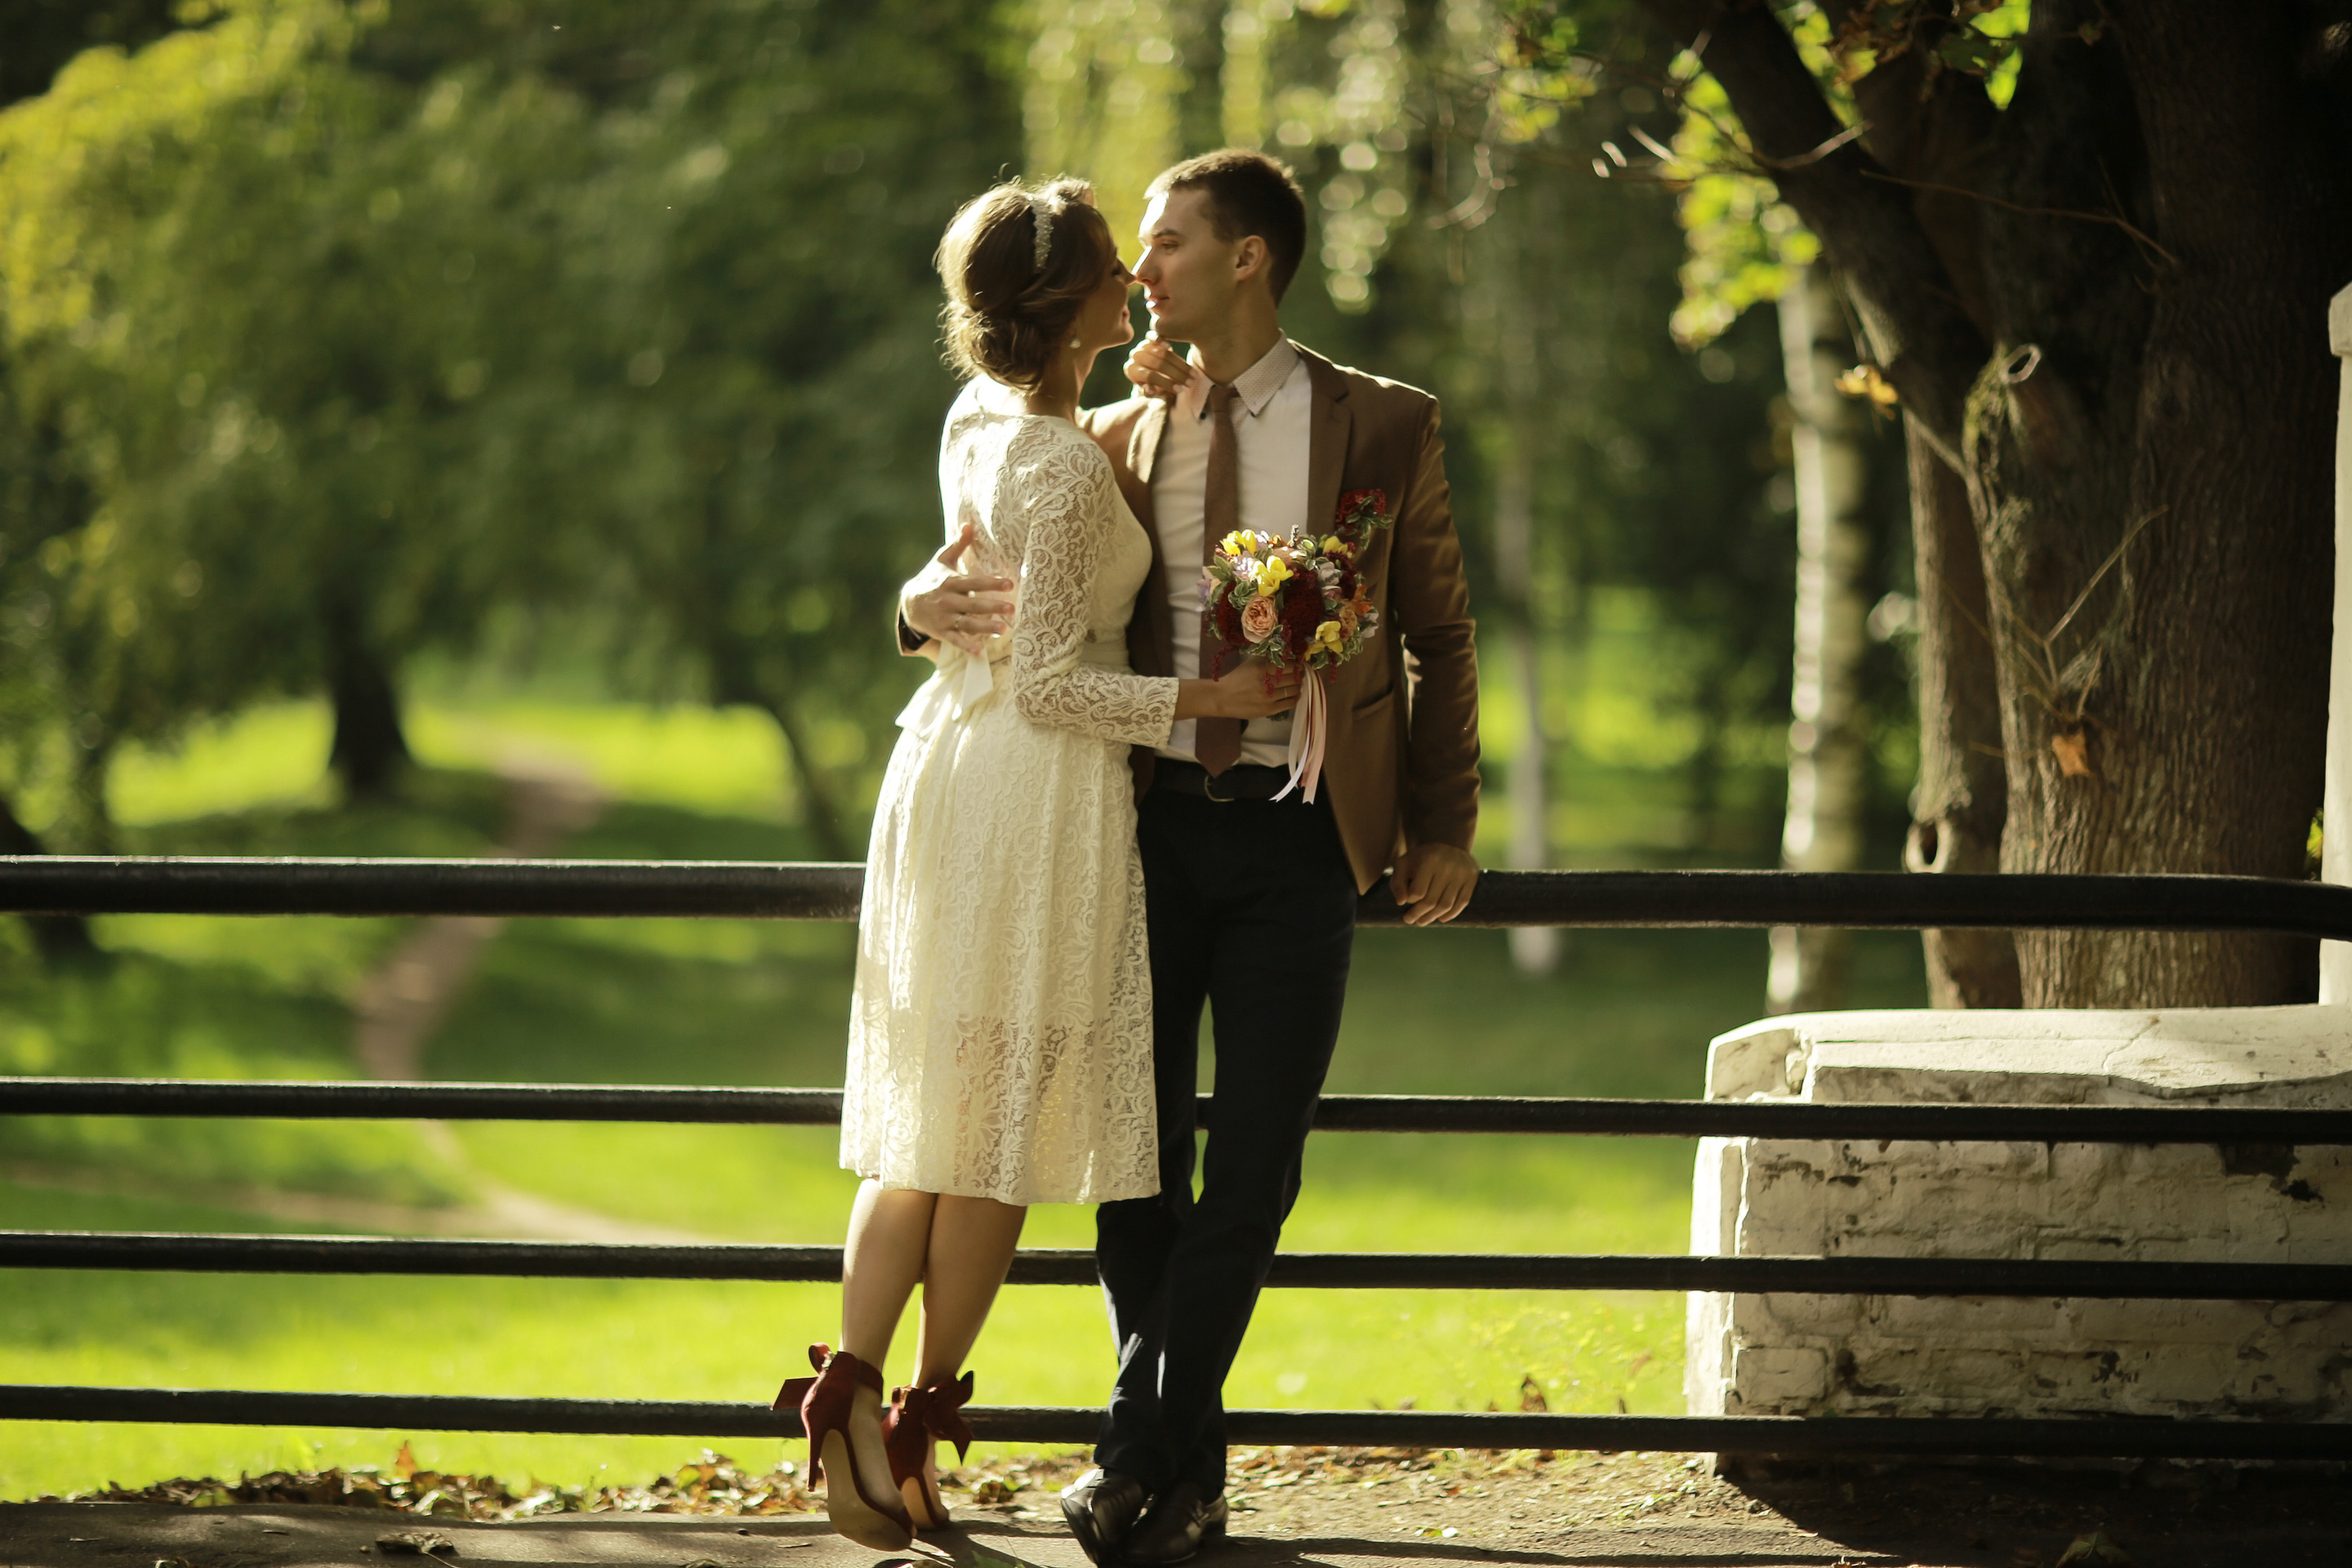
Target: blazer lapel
{"x": 1151, "y": 632}
{"x": 1327, "y": 440}
{"x": 1143, "y": 445}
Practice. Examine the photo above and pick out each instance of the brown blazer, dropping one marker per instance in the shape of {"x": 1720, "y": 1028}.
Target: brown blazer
{"x": 1401, "y": 765}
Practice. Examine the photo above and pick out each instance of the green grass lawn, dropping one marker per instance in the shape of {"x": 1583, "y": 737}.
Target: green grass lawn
{"x": 717, "y": 1001}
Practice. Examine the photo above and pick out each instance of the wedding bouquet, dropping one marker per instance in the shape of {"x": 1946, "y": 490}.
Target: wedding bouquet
{"x": 1297, "y": 604}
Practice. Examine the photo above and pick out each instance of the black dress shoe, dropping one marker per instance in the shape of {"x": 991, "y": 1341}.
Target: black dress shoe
{"x": 1101, "y": 1508}
{"x": 1181, "y": 1523}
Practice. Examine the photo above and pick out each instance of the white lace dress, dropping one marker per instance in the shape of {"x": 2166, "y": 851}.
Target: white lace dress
{"x": 1000, "y": 1042}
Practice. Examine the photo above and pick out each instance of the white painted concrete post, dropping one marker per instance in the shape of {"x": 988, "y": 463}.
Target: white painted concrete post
{"x": 2335, "y": 853}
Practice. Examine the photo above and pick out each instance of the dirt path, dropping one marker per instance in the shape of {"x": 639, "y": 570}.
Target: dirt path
{"x": 403, "y": 1005}
{"x": 399, "y": 1007}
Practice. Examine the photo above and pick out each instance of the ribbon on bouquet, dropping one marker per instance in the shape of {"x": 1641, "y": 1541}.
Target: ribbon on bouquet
{"x": 1308, "y": 728}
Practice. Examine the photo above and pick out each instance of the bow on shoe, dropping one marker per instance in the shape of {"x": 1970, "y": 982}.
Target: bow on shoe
{"x": 794, "y": 1395}
{"x": 796, "y": 1389}
{"x": 935, "y": 1411}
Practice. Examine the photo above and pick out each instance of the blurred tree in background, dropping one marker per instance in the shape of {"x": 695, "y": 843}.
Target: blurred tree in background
{"x": 357, "y": 325}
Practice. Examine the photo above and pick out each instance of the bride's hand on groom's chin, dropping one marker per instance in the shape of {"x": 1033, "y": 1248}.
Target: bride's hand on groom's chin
{"x": 1432, "y": 882}
{"x": 1156, "y": 369}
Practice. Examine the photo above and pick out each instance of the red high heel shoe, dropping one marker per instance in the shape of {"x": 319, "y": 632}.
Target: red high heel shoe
{"x": 874, "y": 1519}
{"x": 916, "y": 1418}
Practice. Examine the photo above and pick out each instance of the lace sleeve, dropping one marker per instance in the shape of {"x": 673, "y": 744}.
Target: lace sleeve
{"x": 1069, "y": 495}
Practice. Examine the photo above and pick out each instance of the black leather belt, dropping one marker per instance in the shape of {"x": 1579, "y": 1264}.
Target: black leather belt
{"x": 1242, "y": 781}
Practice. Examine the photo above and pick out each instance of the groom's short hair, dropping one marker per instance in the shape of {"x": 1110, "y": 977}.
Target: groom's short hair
{"x": 1247, "y": 193}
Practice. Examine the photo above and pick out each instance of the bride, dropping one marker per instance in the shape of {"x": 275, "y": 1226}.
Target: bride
{"x": 1000, "y": 1041}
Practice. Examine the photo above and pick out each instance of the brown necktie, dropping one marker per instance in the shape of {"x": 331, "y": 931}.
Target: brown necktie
{"x": 1217, "y": 742}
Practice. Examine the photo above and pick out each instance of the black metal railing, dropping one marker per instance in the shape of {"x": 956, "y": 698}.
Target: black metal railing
{"x": 61, "y": 885}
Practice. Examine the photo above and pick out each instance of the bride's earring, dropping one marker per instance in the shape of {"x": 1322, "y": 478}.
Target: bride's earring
{"x": 1074, "y": 340}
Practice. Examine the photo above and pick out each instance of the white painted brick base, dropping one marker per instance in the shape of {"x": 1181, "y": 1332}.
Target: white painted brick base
{"x": 1801, "y": 1354}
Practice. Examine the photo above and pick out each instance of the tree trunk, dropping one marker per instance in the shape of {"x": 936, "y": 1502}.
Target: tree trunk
{"x": 817, "y": 808}
{"x": 1828, "y": 761}
{"x": 2148, "y": 453}
{"x": 1963, "y": 795}
{"x": 89, "y": 815}
{"x": 57, "y": 938}
{"x": 1535, "y": 949}
{"x": 369, "y": 750}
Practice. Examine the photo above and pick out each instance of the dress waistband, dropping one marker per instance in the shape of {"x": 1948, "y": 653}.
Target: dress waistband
{"x": 963, "y": 681}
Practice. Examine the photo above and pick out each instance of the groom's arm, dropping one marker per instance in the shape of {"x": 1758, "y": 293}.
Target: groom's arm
{"x": 1429, "y": 602}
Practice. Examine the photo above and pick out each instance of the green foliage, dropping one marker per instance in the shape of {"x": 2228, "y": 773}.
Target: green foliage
{"x": 355, "y": 325}
{"x": 1745, "y": 244}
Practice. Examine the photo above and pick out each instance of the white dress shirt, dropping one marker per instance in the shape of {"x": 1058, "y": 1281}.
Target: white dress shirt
{"x": 1271, "y": 415}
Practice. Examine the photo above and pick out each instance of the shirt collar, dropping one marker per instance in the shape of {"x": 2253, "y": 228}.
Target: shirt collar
{"x": 1255, "y": 386}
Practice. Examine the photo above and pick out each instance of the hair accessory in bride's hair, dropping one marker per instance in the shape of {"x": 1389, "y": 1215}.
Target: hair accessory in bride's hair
{"x": 1041, "y": 210}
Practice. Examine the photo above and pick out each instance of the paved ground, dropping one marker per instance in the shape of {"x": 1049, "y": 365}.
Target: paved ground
{"x": 1574, "y": 1513}
{"x": 112, "y": 1535}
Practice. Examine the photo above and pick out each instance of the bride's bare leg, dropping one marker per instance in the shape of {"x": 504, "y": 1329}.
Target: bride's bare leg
{"x": 971, "y": 1243}
{"x": 889, "y": 1232}
{"x": 889, "y": 1239}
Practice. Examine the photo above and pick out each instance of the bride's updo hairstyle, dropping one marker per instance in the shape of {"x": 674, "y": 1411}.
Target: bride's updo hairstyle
{"x": 1012, "y": 301}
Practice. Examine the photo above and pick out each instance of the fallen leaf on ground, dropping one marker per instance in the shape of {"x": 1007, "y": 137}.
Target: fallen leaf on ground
{"x": 420, "y": 1543}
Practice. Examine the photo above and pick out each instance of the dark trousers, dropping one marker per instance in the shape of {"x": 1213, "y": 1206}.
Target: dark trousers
{"x": 1252, "y": 909}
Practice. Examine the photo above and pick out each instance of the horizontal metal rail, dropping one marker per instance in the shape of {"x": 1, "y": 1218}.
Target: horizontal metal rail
{"x": 344, "y": 1100}
{"x": 744, "y": 889}
{"x": 1967, "y": 1277}
{"x": 2105, "y": 1437}
{"x": 63, "y": 885}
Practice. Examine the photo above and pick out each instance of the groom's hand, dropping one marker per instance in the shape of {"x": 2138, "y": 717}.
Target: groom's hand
{"x": 1432, "y": 882}
{"x": 961, "y": 610}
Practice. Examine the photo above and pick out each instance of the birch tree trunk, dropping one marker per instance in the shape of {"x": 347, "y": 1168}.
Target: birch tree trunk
{"x": 1535, "y": 949}
{"x": 1827, "y": 760}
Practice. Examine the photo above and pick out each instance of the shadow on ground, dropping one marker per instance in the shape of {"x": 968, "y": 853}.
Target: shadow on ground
{"x": 1995, "y": 1516}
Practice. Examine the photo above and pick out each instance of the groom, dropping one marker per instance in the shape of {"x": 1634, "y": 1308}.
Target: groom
{"x": 1251, "y": 901}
